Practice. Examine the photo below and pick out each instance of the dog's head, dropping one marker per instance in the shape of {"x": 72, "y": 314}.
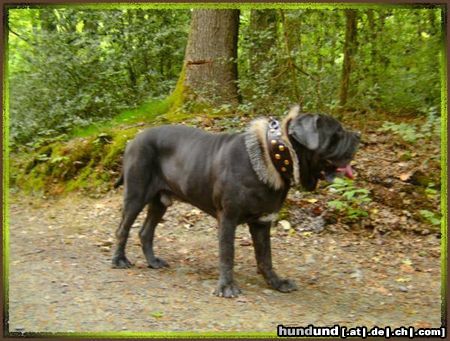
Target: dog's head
{"x": 323, "y": 147}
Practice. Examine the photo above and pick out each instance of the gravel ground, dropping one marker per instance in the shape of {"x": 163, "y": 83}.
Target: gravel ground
{"x": 60, "y": 277}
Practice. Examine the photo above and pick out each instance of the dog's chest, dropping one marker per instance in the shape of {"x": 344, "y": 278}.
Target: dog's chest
{"x": 264, "y": 208}
{"x": 267, "y": 218}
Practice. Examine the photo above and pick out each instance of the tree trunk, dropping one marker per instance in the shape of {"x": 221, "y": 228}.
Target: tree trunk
{"x": 211, "y": 57}
{"x": 264, "y": 20}
{"x": 290, "y": 60}
{"x": 47, "y": 18}
{"x": 350, "y": 45}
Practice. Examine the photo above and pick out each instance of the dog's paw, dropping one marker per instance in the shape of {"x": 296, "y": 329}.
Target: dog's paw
{"x": 158, "y": 263}
{"x": 227, "y": 290}
{"x": 121, "y": 262}
{"x": 285, "y": 285}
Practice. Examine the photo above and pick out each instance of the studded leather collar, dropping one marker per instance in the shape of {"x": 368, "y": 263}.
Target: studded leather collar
{"x": 279, "y": 152}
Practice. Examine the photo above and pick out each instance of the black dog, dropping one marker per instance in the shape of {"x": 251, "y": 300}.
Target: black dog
{"x": 237, "y": 178}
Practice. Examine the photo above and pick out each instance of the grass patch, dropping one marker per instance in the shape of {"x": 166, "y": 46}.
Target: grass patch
{"x": 89, "y": 158}
{"x": 147, "y": 112}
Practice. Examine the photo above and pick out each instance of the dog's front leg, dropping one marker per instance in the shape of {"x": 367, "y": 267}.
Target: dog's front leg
{"x": 261, "y": 242}
{"x": 226, "y": 286}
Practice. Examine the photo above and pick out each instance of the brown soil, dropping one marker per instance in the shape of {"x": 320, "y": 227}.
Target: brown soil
{"x": 60, "y": 277}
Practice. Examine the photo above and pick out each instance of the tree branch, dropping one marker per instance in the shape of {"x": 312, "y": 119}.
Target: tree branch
{"x": 19, "y": 36}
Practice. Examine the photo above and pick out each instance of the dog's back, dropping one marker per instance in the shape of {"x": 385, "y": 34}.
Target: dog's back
{"x": 176, "y": 160}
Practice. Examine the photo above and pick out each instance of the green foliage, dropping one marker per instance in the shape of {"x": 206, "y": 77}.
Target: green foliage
{"x": 431, "y": 192}
{"x": 406, "y": 131}
{"x": 147, "y": 112}
{"x": 71, "y": 67}
{"x": 431, "y": 217}
{"x": 432, "y": 126}
{"x": 396, "y": 66}
{"x": 99, "y": 75}
{"x": 411, "y": 133}
{"x": 259, "y": 62}
{"x": 157, "y": 314}
{"x": 81, "y": 163}
{"x": 397, "y": 62}
{"x": 353, "y": 200}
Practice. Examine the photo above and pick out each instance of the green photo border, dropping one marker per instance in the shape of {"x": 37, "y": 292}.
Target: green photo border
{"x": 186, "y": 5}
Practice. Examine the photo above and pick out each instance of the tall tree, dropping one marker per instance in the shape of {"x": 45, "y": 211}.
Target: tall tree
{"x": 211, "y": 53}
{"x": 264, "y": 23}
{"x": 290, "y": 58}
{"x": 350, "y": 46}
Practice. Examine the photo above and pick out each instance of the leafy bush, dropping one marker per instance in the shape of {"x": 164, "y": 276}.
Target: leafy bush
{"x": 431, "y": 217}
{"x": 411, "y": 133}
{"x": 353, "y": 200}
{"x": 396, "y": 65}
{"x": 70, "y": 67}
{"x": 406, "y": 131}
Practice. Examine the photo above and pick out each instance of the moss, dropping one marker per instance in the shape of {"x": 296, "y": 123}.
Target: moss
{"x": 284, "y": 214}
{"x": 146, "y": 112}
{"x": 82, "y": 179}
{"x": 180, "y": 109}
{"x": 68, "y": 159}
{"x": 178, "y": 95}
{"x": 184, "y": 105}
{"x": 116, "y": 148}
{"x": 80, "y": 163}
{"x": 90, "y": 158}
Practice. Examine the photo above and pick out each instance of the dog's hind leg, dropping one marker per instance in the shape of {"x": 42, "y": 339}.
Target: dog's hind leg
{"x": 136, "y": 181}
{"x": 261, "y": 242}
{"x": 155, "y": 212}
{"x": 132, "y": 207}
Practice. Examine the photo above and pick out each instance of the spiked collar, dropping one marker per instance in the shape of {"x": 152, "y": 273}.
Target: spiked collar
{"x": 278, "y": 150}
{"x": 262, "y": 153}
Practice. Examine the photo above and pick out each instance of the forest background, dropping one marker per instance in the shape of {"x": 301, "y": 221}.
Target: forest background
{"x": 83, "y": 81}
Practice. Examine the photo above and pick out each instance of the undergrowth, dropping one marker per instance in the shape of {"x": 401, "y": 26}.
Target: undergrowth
{"x": 89, "y": 158}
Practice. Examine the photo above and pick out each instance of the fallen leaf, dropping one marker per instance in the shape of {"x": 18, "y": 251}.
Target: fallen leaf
{"x": 285, "y": 225}
{"x": 407, "y": 268}
{"x": 382, "y": 290}
{"x": 407, "y": 261}
{"x": 405, "y": 176}
{"x": 403, "y": 279}
{"x": 245, "y": 242}
{"x": 157, "y": 314}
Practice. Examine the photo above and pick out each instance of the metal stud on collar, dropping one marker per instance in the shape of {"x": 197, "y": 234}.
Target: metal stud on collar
{"x": 279, "y": 152}
{"x": 273, "y": 123}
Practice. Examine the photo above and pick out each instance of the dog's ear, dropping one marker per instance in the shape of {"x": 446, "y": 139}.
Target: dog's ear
{"x": 304, "y": 130}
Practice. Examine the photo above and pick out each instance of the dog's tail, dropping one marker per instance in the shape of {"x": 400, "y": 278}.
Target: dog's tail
{"x": 119, "y": 181}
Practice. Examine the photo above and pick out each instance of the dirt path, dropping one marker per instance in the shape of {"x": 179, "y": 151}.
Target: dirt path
{"x": 61, "y": 280}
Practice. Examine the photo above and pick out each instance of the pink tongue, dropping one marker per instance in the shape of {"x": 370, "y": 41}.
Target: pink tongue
{"x": 347, "y": 170}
